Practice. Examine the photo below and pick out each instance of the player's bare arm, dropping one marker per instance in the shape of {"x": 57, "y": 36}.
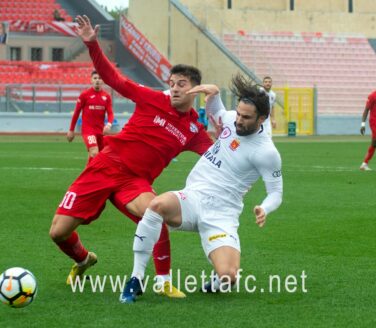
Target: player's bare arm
{"x": 208, "y": 89}
{"x": 85, "y": 30}
{"x": 107, "y": 128}
{"x": 364, "y": 119}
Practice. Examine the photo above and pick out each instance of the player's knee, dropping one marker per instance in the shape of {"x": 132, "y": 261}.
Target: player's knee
{"x": 157, "y": 205}
{"x": 57, "y": 234}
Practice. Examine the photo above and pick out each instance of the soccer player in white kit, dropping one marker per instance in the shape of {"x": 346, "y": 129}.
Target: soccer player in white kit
{"x": 212, "y": 199}
{"x": 270, "y": 120}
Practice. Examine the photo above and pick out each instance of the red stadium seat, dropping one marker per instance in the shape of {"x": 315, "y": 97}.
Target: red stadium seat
{"x": 27, "y": 11}
{"x": 308, "y": 59}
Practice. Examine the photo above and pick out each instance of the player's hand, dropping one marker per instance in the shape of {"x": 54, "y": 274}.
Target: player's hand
{"x": 208, "y": 89}
{"x": 260, "y": 215}
{"x": 362, "y": 130}
{"x": 218, "y": 126}
{"x": 70, "y": 136}
{"x": 85, "y": 30}
{"x": 274, "y": 124}
{"x": 107, "y": 129}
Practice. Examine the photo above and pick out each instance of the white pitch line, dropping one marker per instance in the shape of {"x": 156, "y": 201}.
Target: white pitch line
{"x": 41, "y": 168}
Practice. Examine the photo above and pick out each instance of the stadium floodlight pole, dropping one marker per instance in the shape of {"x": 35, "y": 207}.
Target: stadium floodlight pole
{"x": 169, "y": 32}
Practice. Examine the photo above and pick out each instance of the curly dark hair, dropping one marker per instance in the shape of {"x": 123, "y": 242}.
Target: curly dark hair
{"x": 250, "y": 93}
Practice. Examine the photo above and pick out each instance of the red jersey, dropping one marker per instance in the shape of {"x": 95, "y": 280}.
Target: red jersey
{"x": 94, "y": 106}
{"x": 371, "y": 105}
{"x": 156, "y": 132}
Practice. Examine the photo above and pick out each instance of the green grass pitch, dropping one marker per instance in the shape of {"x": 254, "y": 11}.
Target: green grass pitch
{"x": 325, "y": 227}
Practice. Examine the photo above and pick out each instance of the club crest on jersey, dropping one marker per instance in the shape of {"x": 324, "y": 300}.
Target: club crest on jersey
{"x": 234, "y": 144}
{"x": 225, "y": 133}
{"x": 193, "y": 128}
{"x": 104, "y": 98}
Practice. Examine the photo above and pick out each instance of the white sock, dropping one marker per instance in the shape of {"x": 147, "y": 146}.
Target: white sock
{"x": 161, "y": 278}
{"x": 147, "y": 234}
{"x": 216, "y": 282}
{"x": 84, "y": 261}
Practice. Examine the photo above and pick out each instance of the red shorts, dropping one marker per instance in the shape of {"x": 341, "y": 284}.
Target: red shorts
{"x": 86, "y": 197}
{"x": 93, "y": 140}
{"x": 372, "y": 125}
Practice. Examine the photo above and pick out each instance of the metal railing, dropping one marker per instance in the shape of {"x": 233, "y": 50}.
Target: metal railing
{"x": 42, "y": 98}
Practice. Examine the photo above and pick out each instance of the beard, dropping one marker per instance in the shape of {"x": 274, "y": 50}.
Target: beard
{"x": 244, "y": 131}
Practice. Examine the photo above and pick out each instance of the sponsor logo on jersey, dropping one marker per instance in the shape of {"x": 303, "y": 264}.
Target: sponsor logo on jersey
{"x": 193, "y": 128}
{"x": 277, "y": 174}
{"x": 176, "y": 133}
{"x": 220, "y": 235}
{"x": 159, "y": 121}
{"x": 234, "y": 144}
{"x": 96, "y": 107}
{"x": 209, "y": 156}
{"x": 104, "y": 98}
{"x": 216, "y": 147}
{"x": 225, "y": 133}
{"x": 93, "y": 96}
{"x": 171, "y": 129}
{"x": 182, "y": 195}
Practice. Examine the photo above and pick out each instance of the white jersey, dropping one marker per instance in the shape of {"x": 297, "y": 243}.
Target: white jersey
{"x": 267, "y": 123}
{"x": 234, "y": 163}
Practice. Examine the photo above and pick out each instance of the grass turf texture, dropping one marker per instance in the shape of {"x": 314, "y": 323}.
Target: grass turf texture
{"x": 326, "y": 227}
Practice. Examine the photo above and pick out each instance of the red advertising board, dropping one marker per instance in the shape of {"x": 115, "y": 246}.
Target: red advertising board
{"x": 143, "y": 50}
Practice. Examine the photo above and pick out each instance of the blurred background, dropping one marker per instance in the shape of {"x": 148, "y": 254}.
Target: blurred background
{"x": 319, "y": 53}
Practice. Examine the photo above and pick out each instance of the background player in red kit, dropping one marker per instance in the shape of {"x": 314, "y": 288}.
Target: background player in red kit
{"x": 94, "y": 104}
{"x": 162, "y": 126}
{"x": 371, "y": 108}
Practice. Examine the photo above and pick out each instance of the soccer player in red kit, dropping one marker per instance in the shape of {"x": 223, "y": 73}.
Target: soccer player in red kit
{"x": 94, "y": 104}
{"x": 162, "y": 126}
{"x": 371, "y": 108}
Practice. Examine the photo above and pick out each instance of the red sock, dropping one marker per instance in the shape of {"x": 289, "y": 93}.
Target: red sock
{"x": 73, "y": 247}
{"x": 161, "y": 251}
{"x": 371, "y": 151}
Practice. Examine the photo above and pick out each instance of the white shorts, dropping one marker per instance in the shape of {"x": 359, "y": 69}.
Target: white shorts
{"x": 216, "y": 223}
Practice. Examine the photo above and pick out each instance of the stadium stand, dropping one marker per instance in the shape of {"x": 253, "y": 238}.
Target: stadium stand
{"x": 42, "y": 10}
{"x": 51, "y": 80}
{"x": 343, "y": 68}
{"x": 24, "y": 72}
